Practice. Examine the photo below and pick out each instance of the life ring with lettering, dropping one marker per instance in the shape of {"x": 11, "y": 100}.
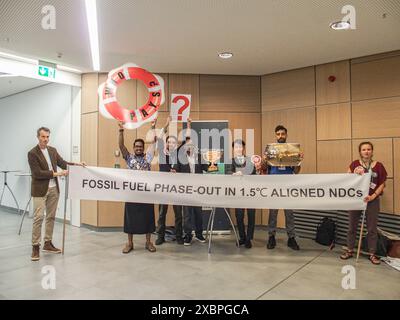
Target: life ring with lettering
{"x": 111, "y": 109}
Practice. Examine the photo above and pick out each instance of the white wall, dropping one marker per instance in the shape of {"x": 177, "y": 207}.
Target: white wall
{"x": 54, "y": 106}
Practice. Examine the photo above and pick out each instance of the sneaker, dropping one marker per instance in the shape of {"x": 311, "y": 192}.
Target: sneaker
{"x": 179, "y": 240}
{"x": 200, "y": 238}
{"x": 35, "y": 253}
{"x": 293, "y": 244}
{"x": 242, "y": 242}
{"x": 248, "y": 244}
{"x": 271, "y": 242}
{"x": 49, "y": 247}
{"x": 160, "y": 241}
{"x": 187, "y": 241}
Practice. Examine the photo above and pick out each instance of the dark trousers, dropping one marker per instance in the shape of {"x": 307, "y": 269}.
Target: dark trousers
{"x": 197, "y": 214}
{"x": 251, "y": 221}
{"x": 163, "y": 209}
{"x": 289, "y": 221}
{"x": 372, "y": 214}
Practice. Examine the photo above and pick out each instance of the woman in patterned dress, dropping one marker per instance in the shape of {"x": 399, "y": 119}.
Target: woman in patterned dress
{"x": 138, "y": 217}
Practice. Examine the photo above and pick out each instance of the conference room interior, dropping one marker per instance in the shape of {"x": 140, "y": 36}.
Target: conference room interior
{"x": 331, "y": 89}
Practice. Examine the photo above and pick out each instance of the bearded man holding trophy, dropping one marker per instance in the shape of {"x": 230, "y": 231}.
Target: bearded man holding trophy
{"x": 282, "y": 158}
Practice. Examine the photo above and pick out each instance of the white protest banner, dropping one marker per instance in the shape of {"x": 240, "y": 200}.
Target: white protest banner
{"x": 180, "y": 107}
{"x": 303, "y": 191}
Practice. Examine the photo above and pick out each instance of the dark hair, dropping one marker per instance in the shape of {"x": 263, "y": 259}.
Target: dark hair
{"x": 279, "y": 128}
{"x": 172, "y": 137}
{"x": 42, "y": 128}
{"x": 363, "y": 143}
{"x": 138, "y": 140}
{"x": 238, "y": 141}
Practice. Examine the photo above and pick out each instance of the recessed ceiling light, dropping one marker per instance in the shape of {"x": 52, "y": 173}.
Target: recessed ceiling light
{"x": 225, "y": 55}
{"x": 340, "y": 25}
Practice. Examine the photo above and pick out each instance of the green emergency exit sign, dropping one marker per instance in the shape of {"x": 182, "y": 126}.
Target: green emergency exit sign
{"x": 46, "y": 72}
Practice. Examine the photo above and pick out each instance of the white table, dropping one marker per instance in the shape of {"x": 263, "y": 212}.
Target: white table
{"x": 25, "y": 174}
{"x": 6, "y": 186}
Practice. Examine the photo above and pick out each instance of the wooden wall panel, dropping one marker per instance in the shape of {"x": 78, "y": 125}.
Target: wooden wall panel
{"x": 111, "y": 214}
{"x": 241, "y": 121}
{"x": 108, "y": 142}
{"x": 89, "y": 212}
{"x": 383, "y": 152}
{"x": 334, "y": 122}
{"x": 289, "y": 89}
{"x": 229, "y": 93}
{"x": 186, "y": 84}
{"x": 301, "y": 128}
{"x": 378, "y": 118}
{"x": 396, "y": 173}
{"x": 89, "y": 141}
{"x": 387, "y": 203}
{"x": 375, "y": 79}
{"x": 378, "y": 56}
{"x": 333, "y": 92}
{"x": 90, "y": 83}
{"x": 333, "y": 156}
{"x": 127, "y": 94}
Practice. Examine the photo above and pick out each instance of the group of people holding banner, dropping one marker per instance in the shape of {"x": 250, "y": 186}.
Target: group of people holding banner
{"x": 139, "y": 218}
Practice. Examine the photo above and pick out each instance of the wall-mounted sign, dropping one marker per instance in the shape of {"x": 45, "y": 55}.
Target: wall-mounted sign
{"x": 46, "y": 72}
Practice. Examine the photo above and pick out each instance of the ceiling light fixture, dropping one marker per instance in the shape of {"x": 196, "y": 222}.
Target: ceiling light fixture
{"x": 19, "y": 58}
{"x": 225, "y": 55}
{"x": 340, "y": 25}
{"x": 68, "y": 69}
{"x": 91, "y": 16}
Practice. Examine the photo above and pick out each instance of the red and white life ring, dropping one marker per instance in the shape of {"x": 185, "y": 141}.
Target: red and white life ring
{"x": 109, "y": 106}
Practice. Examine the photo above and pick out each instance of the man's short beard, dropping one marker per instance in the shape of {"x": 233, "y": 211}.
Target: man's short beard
{"x": 281, "y": 140}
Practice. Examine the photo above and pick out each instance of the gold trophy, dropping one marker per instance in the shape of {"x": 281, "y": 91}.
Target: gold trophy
{"x": 117, "y": 154}
{"x": 283, "y": 154}
{"x": 212, "y": 156}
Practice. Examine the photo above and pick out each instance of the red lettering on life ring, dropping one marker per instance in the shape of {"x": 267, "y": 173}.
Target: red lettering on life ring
{"x": 109, "y": 106}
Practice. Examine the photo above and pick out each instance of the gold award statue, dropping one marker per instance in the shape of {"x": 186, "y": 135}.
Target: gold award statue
{"x": 212, "y": 156}
{"x": 283, "y": 154}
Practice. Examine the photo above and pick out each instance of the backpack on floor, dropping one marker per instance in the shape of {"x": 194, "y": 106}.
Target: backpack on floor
{"x": 326, "y": 232}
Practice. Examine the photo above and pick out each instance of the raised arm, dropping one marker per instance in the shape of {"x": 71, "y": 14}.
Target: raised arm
{"x": 121, "y": 142}
{"x": 164, "y": 130}
{"x": 188, "y": 129}
{"x": 151, "y": 149}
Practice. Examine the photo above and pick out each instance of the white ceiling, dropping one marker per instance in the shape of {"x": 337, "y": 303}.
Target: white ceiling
{"x": 184, "y": 36}
{"x": 13, "y": 85}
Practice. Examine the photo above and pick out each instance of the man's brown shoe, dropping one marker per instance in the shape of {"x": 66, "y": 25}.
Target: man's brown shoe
{"x": 49, "y": 247}
{"x": 35, "y": 253}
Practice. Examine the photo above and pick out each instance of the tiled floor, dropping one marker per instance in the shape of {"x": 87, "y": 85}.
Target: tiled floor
{"x": 93, "y": 267}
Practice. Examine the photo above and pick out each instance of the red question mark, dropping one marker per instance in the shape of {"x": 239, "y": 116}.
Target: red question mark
{"x": 185, "y": 105}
